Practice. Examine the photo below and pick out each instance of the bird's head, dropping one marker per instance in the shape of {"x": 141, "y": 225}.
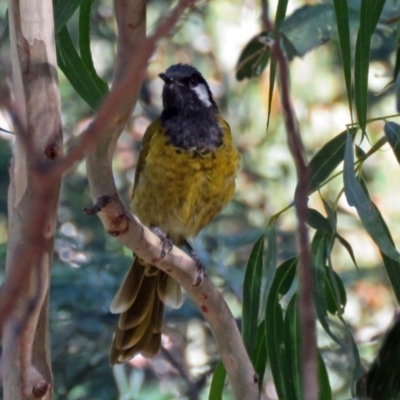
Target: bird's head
{"x": 185, "y": 88}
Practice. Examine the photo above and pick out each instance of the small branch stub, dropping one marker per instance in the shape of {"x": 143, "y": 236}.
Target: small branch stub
{"x": 40, "y": 389}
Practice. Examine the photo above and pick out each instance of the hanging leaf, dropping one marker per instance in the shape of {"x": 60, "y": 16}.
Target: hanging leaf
{"x": 327, "y": 159}
{"x": 319, "y": 252}
{"x": 254, "y": 58}
{"x": 76, "y": 72}
{"x": 293, "y": 348}
{"x": 342, "y": 23}
{"x": 84, "y": 45}
{"x": 348, "y": 247}
{"x": 63, "y": 11}
{"x": 217, "y": 382}
{"x": 392, "y": 132}
{"x": 325, "y": 391}
{"x": 251, "y": 294}
{"x": 366, "y": 209}
{"x": 271, "y": 259}
{"x": 259, "y": 355}
{"x": 274, "y": 328}
{"x": 317, "y": 221}
{"x": 369, "y": 16}
{"x": 335, "y": 303}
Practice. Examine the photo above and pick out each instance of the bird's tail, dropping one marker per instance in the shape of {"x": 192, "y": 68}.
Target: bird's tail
{"x": 140, "y": 302}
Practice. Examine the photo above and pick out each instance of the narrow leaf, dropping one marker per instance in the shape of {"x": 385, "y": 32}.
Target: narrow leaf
{"x": 348, "y": 247}
{"x": 217, "y": 382}
{"x": 335, "y": 299}
{"x": 259, "y": 355}
{"x": 293, "y": 347}
{"x": 369, "y": 16}
{"x": 327, "y": 159}
{"x": 84, "y": 44}
{"x": 251, "y": 294}
{"x": 75, "y": 71}
{"x": 319, "y": 247}
{"x": 279, "y": 17}
{"x": 254, "y": 58}
{"x": 325, "y": 391}
{"x": 309, "y": 27}
{"x": 63, "y": 11}
{"x": 366, "y": 209}
{"x": 271, "y": 259}
{"x": 317, "y": 221}
{"x": 342, "y": 22}
{"x": 274, "y": 327}
{"x": 392, "y": 132}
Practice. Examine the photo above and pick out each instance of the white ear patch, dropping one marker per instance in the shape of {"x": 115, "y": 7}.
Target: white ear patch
{"x": 202, "y": 94}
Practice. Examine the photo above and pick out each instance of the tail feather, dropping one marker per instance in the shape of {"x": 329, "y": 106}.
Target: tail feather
{"x": 140, "y": 301}
{"x": 129, "y": 289}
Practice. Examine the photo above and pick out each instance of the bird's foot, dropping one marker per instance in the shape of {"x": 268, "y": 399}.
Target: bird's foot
{"x": 166, "y": 242}
{"x": 201, "y": 270}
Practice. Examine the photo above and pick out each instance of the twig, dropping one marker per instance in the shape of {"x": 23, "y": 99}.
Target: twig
{"x": 305, "y": 302}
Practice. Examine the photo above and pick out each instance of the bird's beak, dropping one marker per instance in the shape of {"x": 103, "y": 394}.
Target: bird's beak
{"x": 166, "y": 78}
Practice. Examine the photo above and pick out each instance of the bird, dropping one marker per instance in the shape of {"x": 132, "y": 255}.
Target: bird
{"x": 184, "y": 177}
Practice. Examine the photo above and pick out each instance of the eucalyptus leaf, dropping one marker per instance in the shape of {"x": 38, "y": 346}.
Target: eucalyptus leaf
{"x": 259, "y": 355}
{"x": 76, "y": 72}
{"x": 392, "y": 132}
{"x": 366, "y": 209}
{"x": 327, "y": 159}
{"x": 217, "y": 382}
{"x": 369, "y": 16}
{"x": 63, "y": 11}
{"x": 251, "y": 294}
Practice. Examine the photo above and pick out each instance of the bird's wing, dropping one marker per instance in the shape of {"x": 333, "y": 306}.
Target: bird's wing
{"x": 154, "y": 128}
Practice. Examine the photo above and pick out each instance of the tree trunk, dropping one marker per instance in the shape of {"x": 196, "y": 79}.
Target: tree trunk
{"x": 32, "y": 201}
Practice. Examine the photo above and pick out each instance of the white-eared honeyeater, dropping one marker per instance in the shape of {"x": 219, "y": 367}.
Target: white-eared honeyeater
{"x": 185, "y": 175}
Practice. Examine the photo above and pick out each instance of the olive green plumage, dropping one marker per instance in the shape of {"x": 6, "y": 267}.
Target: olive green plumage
{"x": 178, "y": 190}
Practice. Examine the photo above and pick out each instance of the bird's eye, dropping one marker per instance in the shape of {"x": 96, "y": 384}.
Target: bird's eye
{"x": 193, "y": 82}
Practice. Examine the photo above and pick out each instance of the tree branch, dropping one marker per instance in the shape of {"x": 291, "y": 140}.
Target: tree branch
{"x": 119, "y": 221}
{"x": 32, "y": 203}
{"x": 305, "y": 302}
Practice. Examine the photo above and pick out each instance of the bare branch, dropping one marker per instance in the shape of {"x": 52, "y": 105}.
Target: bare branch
{"x": 305, "y": 302}
{"x": 32, "y": 203}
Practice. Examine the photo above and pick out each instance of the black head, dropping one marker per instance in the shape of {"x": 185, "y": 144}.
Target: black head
{"x": 186, "y": 89}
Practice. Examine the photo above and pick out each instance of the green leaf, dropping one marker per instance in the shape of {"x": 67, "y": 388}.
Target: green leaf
{"x": 348, "y": 247}
{"x": 342, "y": 22}
{"x": 63, "y": 11}
{"x": 279, "y": 17}
{"x": 76, "y": 72}
{"x": 259, "y": 355}
{"x": 293, "y": 347}
{"x": 319, "y": 253}
{"x": 84, "y": 45}
{"x": 275, "y": 326}
{"x": 317, "y": 221}
{"x": 270, "y": 261}
{"x": 251, "y": 295}
{"x": 336, "y": 300}
{"x": 327, "y": 159}
{"x": 217, "y": 382}
{"x": 366, "y": 209}
{"x": 369, "y": 17}
{"x": 254, "y": 58}
{"x": 392, "y": 133}
{"x": 331, "y": 215}
{"x": 309, "y": 27}
{"x": 325, "y": 391}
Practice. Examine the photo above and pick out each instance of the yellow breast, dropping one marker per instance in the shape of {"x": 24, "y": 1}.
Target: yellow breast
{"x": 181, "y": 191}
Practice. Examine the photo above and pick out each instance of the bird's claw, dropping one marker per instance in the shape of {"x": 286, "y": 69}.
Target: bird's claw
{"x": 166, "y": 242}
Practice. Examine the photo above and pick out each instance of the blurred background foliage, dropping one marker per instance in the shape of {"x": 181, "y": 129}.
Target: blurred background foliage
{"x": 89, "y": 264}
